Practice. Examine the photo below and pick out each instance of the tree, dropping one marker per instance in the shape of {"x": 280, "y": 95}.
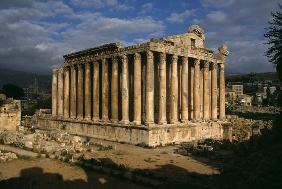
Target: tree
{"x": 274, "y": 36}
{"x": 13, "y": 91}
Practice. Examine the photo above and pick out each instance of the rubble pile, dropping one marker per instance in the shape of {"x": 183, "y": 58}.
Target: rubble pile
{"x": 8, "y": 156}
{"x": 54, "y": 144}
{"x": 243, "y": 129}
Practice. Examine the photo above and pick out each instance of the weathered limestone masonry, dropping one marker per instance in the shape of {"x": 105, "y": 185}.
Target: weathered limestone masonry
{"x": 159, "y": 92}
{"x": 10, "y": 114}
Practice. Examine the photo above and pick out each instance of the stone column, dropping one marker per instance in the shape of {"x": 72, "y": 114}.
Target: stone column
{"x": 196, "y": 96}
{"x": 73, "y": 93}
{"x": 191, "y": 91}
{"x": 60, "y": 92}
{"x": 174, "y": 91}
{"x": 162, "y": 90}
{"x": 213, "y": 91}
{"x": 66, "y": 92}
{"x": 124, "y": 90}
{"x": 206, "y": 92}
{"x": 87, "y": 91}
{"x": 184, "y": 88}
{"x": 54, "y": 91}
{"x": 221, "y": 92}
{"x": 105, "y": 90}
{"x": 149, "y": 107}
{"x": 95, "y": 91}
{"x": 137, "y": 88}
{"x": 80, "y": 91}
{"x": 114, "y": 90}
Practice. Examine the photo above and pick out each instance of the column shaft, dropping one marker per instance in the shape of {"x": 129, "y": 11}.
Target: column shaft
{"x": 221, "y": 92}
{"x": 162, "y": 90}
{"x": 87, "y": 91}
{"x": 95, "y": 115}
{"x": 73, "y": 93}
{"x": 213, "y": 92}
{"x": 60, "y": 92}
{"x": 196, "y": 96}
{"x": 124, "y": 90}
{"x": 137, "y": 88}
{"x": 54, "y": 92}
{"x": 149, "y": 107}
{"x": 184, "y": 88}
{"x": 206, "y": 92}
{"x": 105, "y": 90}
{"x": 174, "y": 91}
{"x": 191, "y": 91}
{"x": 80, "y": 91}
{"x": 114, "y": 90}
{"x": 66, "y": 92}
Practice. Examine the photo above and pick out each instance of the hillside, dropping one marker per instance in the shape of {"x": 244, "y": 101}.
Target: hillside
{"x": 253, "y": 77}
{"x": 23, "y": 79}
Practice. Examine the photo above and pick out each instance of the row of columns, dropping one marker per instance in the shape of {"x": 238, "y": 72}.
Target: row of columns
{"x": 75, "y": 91}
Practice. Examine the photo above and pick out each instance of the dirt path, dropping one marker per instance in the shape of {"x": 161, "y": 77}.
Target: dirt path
{"x": 47, "y": 173}
{"x": 162, "y": 161}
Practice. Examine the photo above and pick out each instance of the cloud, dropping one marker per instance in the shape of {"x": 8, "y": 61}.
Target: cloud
{"x": 35, "y": 37}
{"x": 98, "y": 4}
{"x": 239, "y": 24}
{"x": 146, "y": 8}
{"x": 180, "y": 17}
{"x": 217, "y": 17}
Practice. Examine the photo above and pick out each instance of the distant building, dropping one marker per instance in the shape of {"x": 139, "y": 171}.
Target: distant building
{"x": 245, "y": 100}
{"x": 230, "y": 96}
{"x": 238, "y": 89}
{"x": 2, "y": 97}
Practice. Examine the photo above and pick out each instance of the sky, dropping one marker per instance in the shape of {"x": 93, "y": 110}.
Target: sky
{"x": 34, "y": 35}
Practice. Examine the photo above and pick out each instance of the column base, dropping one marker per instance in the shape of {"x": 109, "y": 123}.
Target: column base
{"x": 137, "y": 122}
{"x": 126, "y": 122}
{"x": 96, "y": 119}
{"x": 184, "y": 121}
{"x": 162, "y": 122}
{"x": 88, "y": 118}
{"x": 114, "y": 120}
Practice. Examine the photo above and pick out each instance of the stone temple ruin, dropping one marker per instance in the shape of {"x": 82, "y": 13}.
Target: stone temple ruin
{"x": 159, "y": 92}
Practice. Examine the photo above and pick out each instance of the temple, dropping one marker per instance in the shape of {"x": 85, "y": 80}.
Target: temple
{"x": 163, "y": 91}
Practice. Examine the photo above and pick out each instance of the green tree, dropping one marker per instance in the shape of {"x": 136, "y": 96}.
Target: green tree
{"x": 13, "y": 91}
{"x": 274, "y": 36}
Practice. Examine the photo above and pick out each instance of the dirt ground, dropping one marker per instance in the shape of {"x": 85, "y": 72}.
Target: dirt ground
{"x": 160, "y": 162}
{"x": 47, "y": 173}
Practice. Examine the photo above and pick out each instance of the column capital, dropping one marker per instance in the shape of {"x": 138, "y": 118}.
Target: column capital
{"x": 196, "y": 62}
{"x": 149, "y": 54}
{"x": 80, "y": 64}
{"x": 206, "y": 64}
{"x": 66, "y": 68}
{"x": 55, "y": 70}
{"x": 221, "y": 66}
{"x": 103, "y": 59}
{"x": 213, "y": 65}
{"x": 174, "y": 57}
{"x": 185, "y": 58}
{"x": 137, "y": 55}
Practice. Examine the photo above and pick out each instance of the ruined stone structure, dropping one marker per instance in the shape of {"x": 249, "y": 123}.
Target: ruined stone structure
{"x": 10, "y": 114}
{"x": 163, "y": 91}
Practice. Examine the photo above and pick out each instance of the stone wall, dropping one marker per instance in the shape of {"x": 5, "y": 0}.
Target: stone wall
{"x": 152, "y": 136}
{"x": 10, "y": 115}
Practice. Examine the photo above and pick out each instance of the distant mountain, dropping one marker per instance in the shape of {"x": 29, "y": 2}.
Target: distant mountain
{"x": 273, "y": 76}
{"x": 24, "y": 79}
